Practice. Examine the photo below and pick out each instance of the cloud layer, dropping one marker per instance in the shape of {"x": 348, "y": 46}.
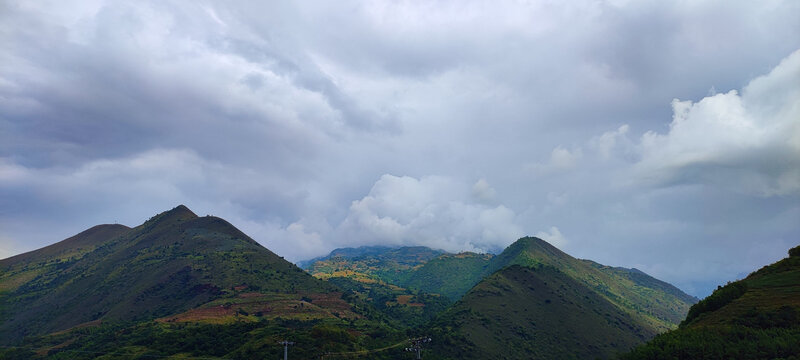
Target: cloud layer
{"x": 457, "y": 125}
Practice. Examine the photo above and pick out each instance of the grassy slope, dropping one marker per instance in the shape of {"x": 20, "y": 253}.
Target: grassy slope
{"x": 652, "y": 302}
{"x": 451, "y": 275}
{"x": 404, "y": 307}
{"x": 180, "y": 285}
{"x": 534, "y": 313}
{"x": 593, "y": 310}
{"x": 391, "y": 265}
{"x": 418, "y": 268}
{"x": 171, "y": 263}
{"x": 754, "y": 318}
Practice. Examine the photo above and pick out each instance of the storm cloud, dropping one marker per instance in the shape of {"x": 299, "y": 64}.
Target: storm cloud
{"x": 648, "y": 134}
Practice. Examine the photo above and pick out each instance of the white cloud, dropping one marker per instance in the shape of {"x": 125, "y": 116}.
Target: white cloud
{"x": 748, "y": 142}
{"x": 554, "y": 237}
{"x": 609, "y": 141}
{"x": 294, "y": 242}
{"x": 561, "y": 159}
{"x": 483, "y": 192}
{"x": 6, "y": 248}
{"x": 433, "y": 211}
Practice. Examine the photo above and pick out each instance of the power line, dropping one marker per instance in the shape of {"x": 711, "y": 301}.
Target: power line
{"x": 416, "y": 345}
{"x": 286, "y": 348}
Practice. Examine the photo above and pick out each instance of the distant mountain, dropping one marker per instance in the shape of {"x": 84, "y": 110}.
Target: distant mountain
{"x": 372, "y": 262}
{"x": 417, "y": 268}
{"x": 347, "y": 253}
{"x": 656, "y": 303}
{"x": 757, "y": 317}
{"x": 451, "y": 275}
{"x": 177, "y": 284}
{"x": 376, "y": 274}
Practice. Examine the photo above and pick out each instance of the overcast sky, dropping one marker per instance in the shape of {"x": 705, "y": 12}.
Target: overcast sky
{"x": 661, "y": 135}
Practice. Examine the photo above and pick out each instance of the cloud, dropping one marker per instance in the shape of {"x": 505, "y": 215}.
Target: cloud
{"x": 483, "y": 192}
{"x": 137, "y": 187}
{"x": 433, "y": 211}
{"x": 611, "y": 141}
{"x": 561, "y": 159}
{"x": 554, "y": 237}
{"x": 748, "y": 142}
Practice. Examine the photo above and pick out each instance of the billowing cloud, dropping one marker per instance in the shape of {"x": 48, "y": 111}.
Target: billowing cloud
{"x": 554, "y": 237}
{"x": 746, "y": 143}
{"x": 433, "y": 211}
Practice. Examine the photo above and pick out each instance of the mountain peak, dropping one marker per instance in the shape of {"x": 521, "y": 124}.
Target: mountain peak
{"x": 181, "y": 211}
{"x": 178, "y": 213}
{"x": 530, "y": 251}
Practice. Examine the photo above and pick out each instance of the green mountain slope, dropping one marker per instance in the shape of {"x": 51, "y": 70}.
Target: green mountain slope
{"x": 348, "y": 253}
{"x": 376, "y": 274}
{"x": 380, "y": 263}
{"x": 179, "y": 286}
{"x": 539, "y": 302}
{"x": 652, "y": 302}
{"x": 174, "y": 262}
{"x": 534, "y": 313}
{"x": 403, "y": 307}
{"x": 417, "y": 268}
{"x": 451, "y": 275}
{"x": 72, "y": 247}
{"x": 757, "y": 317}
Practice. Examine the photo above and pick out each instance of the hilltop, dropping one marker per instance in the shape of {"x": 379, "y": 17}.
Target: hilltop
{"x": 757, "y": 317}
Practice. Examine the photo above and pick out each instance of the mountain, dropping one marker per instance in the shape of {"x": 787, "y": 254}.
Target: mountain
{"x": 111, "y": 273}
{"x": 347, "y": 253}
{"x": 757, "y": 317}
{"x": 540, "y": 302}
{"x": 417, "y": 268}
{"x": 538, "y": 312}
{"x": 372, "y": 262}
{"x": 70, "y": 248}
{"x": 194, "y": 280}
{"x": 376, "y": 274}
{"x": 653, "y": 302}
{"x": 451, "y": 275}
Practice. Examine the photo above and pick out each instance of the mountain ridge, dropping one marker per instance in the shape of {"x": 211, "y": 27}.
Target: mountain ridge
{"x": 87, "y": 238}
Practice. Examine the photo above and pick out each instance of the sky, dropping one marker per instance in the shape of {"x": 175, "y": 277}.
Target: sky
{"x": 660, "y": 135}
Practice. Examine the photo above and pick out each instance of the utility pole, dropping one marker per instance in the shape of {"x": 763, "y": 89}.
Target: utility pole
{"x": 286, "y": 348}
{"x": 416, "y": 345}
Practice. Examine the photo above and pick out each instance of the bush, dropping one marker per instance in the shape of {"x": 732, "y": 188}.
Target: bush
{"x": 721, "y": 297}
{"x": 795, "y": 251}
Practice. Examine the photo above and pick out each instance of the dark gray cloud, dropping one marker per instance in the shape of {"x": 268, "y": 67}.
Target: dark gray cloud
{"x": 459, "y": 125}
